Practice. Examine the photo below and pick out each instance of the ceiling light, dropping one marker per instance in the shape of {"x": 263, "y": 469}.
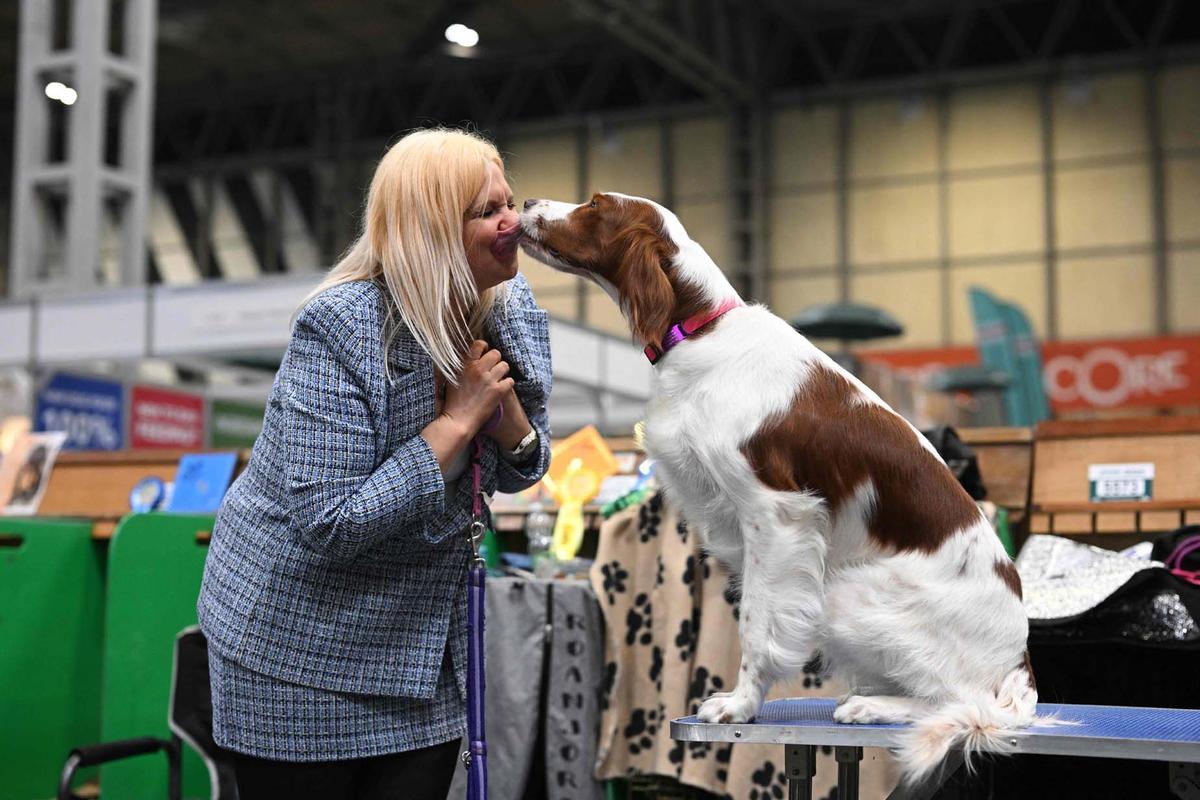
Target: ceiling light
{"x": 461, "y": 35}
{"x": 54, "y": 90}
{"x": 69, "y": 96}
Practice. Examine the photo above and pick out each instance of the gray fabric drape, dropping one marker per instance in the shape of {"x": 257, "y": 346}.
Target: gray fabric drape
{"x": 573, "y": 697}
{"x": 515, "y": 639}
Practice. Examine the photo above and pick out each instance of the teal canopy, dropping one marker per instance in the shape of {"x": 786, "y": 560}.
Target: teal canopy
{"x": 968, "y": 378}
{"x": 846, "y": 321}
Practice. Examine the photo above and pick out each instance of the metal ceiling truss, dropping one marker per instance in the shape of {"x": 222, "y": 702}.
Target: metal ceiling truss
{"x": 671, "y": 51}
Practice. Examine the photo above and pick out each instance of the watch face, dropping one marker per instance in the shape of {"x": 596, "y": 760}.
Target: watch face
{"x": 146, "y": 495}
{"x": 526, "y": 444}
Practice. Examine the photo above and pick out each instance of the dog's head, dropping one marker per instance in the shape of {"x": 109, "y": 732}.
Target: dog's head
{"x": 634, "y": 249}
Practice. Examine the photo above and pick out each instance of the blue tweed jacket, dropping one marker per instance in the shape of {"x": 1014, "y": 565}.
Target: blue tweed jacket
{"x": 339, "y": 557}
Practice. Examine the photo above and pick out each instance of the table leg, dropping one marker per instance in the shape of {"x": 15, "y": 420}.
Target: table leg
{"x": 1185, "y": 780}
{"x": 927, "y": 789}
{"x": 848, "y": 759}
{"x": 800, "y": 764}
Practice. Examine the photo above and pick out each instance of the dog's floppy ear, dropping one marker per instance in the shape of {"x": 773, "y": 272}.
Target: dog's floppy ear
{"x": 642, "y": 282}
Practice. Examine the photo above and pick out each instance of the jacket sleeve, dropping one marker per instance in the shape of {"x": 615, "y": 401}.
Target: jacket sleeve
{"x": 343, "y": 495}
{"x": 528, "y": 328}
{"x": 515, "y": 477}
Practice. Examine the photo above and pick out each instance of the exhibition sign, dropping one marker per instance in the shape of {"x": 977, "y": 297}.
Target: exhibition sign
{"x": 1155, "y": 372}
{"x": 233, "y": 423}
{"x": 90, "y": 411}
{"x": 162, "y": 418}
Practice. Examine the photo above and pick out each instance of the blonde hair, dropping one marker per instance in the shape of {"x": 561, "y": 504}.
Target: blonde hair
{"x": 412, "y": 239}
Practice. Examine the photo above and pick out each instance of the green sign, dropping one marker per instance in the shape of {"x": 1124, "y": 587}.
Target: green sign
{"x": 234, "y": 423}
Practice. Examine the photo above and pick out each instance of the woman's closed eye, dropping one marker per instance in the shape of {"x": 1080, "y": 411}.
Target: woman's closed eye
{"x": 510, "y": 205}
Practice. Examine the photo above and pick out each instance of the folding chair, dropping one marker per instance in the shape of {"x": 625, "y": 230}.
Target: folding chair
{"x": 190, "y": 720}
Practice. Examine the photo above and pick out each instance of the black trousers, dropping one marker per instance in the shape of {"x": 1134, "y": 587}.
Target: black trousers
{"x": 423, "y": 774}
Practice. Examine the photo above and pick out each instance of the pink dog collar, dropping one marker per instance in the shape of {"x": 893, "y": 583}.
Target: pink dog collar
{"x": 682, "y": 330}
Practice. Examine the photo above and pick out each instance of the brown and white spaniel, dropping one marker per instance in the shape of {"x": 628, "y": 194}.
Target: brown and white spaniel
{"x": 846, "y": 531}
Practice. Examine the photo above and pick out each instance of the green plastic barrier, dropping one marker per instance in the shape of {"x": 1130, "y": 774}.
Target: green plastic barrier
{"x": 154, "y": 569}
{"x": 51, "y": 628}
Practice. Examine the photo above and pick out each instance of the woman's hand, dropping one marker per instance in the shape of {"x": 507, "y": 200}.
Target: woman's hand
{"x": 514, "y": 425}
{"x": 482, "y": 385}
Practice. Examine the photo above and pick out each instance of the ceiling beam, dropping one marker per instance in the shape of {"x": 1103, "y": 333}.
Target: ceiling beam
{"x": 1064, "y": 14}
{"x": 644, "y": 33}
{"x": 956, "y": 34}
{"x": 1162, "y": 21}
{"x": 1020, "y": 47}
{"x": 913, "y": 50}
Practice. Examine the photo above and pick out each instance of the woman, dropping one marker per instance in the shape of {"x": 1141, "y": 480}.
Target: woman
{"x": 334, "y": 595}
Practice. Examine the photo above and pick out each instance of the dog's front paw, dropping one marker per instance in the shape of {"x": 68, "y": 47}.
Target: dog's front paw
{"x": 727, "y": 708}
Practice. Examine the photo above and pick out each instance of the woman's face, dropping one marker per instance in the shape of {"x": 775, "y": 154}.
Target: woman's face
{"x": 491, "y": 232}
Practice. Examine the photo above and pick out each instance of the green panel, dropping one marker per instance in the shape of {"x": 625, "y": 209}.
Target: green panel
{"x": 235, "y": 424}
{"x": 51, "y": 627}
{"x": 154, "y": 570}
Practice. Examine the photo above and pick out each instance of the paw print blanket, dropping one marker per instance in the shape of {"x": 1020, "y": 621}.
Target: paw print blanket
{"x": 671, "y": 641}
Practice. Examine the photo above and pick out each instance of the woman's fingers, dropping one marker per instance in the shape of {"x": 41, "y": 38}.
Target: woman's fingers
{"x": 484, "y": 383}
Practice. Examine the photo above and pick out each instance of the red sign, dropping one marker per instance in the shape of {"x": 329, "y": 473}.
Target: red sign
{"x": 165, "y": 419}
{"x": 1122, "y": 373}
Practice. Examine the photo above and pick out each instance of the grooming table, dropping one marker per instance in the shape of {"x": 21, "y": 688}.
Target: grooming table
{"x": 1157, "y": 734}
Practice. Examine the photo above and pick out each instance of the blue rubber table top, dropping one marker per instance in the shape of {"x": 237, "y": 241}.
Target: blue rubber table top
{"x": 1166, "y": 734}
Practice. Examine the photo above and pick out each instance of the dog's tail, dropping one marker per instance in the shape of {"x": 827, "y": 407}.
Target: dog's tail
{"x": 976, "y": 725}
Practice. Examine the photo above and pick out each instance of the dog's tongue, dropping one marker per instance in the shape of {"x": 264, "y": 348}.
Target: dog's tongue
{"x": 504, "y": 247}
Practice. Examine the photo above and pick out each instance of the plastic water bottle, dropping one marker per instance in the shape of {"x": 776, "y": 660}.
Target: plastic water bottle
{"x": 539, "y": 532}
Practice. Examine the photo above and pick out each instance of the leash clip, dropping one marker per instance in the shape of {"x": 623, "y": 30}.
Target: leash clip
{"x": 475, "y": 532}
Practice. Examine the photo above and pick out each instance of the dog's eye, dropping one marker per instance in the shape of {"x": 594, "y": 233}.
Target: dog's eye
{"x": 592, "y": 204}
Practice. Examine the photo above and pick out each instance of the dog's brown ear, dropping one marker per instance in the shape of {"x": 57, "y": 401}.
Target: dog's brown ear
{"x": 643, "y": 285}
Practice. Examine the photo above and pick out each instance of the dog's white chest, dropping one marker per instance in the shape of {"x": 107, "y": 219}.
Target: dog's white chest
{"x": 698, "y": 463}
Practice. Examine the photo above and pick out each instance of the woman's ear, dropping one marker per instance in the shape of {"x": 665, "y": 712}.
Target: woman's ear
{"x": 645, "y": 290}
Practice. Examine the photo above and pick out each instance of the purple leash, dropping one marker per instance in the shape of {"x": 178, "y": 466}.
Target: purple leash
{"x": 475, "y": 756}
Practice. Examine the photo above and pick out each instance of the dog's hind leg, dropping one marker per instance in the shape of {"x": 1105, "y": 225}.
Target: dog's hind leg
{"x": 782, "y": 571}
{"x": 879, "y": 709}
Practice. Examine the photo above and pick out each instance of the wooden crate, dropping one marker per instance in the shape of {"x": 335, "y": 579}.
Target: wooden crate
{"x": 1063, "y": 451}
{"x": 96, "y": 484}
{"x": 1005, "y": 458}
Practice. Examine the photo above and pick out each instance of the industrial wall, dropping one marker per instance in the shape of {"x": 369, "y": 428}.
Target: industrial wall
{"x": 1079, "y": 199}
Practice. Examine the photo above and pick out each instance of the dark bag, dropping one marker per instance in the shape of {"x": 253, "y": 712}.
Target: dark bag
{"x": 1181, "y": 546}
{"x": 1140, "y": 646}
{"x": 959, "y": 458}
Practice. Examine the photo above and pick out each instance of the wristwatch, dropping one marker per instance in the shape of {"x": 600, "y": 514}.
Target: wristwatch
{"x": 524, "y": 449}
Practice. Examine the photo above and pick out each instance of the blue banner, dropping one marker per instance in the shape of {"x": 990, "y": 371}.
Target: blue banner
{"x": 90, "y": 410}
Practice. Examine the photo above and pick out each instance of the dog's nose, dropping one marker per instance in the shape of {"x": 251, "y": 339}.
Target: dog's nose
{"x": 530, "y": 203}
